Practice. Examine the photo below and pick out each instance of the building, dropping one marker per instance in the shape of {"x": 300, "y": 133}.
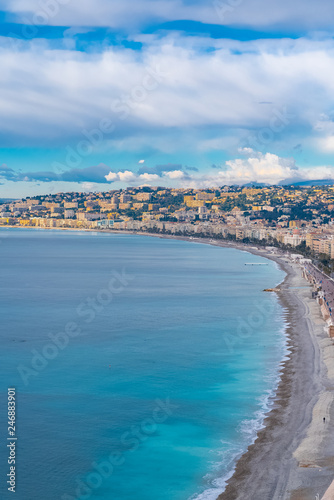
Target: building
{"x": 124, "y": 206}
{"x": 154, "y": 207}
{"x": 143, "y": 196}
{"x": 125, "y": 198}
{"x": 71, "y": 204}
{"x": 103, "y": 224}
{"x": 69, "y": 214}
{"x": 205, "y": 196}
{"x": 90, "y": 216}
{"x": 139, "y": 206}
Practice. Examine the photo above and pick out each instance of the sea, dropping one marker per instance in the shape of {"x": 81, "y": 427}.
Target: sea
{"x": 142, "y": 367}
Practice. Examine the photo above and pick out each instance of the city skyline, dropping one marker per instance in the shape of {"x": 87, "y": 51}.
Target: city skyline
{"x": 167, "y": 249}
{"x": 290, "y": 217}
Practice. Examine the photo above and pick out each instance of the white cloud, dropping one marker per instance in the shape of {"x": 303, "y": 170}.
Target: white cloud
{"x": 187, "y": 110}
{"x": 174, "y": 174}
{"x": 129, "y": 177}
{"x": 264, "y": 168}
{"x": 327, "y": 144}
{"x": 269, "y": 168}
{"x": 130, "y": 13}
{"x": 149, "y": 177}
{"x": 246, "y": 151}
{"x": 126, "y": 176}
{"x": 111, "y": 177}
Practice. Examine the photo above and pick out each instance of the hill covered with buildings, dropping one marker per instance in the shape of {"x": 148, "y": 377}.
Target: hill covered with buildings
{"x": 290, "y": 216}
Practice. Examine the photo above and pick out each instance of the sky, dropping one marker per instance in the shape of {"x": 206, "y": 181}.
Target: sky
{"x": 102, "y": 94}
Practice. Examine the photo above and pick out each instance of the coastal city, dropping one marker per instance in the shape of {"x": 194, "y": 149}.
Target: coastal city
{"x": 167, "y": 250}
{"x": 291, "y": 217}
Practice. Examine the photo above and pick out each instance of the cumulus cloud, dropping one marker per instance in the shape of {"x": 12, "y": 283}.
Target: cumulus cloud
{"x": 258, "y": 167}
{"x": 133, "y": 178}
{"x": 112, "y": 177}
{"x": 262, "y": 168}
{"x": 149, "y": 177}
{"x": 126, "y": 176}
{"x": 268, "y": 168}
{"x": 175, "y": 174}
{"x": 129, "y": 177}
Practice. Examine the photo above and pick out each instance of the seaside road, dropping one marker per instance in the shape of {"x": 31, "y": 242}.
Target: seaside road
{"x": 293, "y": 458}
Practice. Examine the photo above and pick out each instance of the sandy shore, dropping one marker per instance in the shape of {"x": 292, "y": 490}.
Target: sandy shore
{"x": 293, "y": 455}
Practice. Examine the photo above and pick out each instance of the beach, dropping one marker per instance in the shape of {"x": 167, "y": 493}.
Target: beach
{"x": 167, "y": 336}
{"x": 293, "y": 455}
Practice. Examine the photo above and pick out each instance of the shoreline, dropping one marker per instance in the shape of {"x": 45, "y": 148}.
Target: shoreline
{"x": 289, "y": 460}
{"x": 292, "y": 457}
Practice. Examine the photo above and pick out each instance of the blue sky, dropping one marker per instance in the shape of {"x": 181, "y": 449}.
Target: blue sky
{"x": 99, "y": 94}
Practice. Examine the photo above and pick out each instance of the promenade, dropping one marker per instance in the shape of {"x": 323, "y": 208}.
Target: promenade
{"x": 324, "y": 287}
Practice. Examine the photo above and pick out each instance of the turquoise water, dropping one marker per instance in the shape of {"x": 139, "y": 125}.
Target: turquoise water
{"x": 167, "y": 382}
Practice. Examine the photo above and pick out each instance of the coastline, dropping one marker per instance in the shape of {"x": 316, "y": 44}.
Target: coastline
{"x": 265, "y": 469}
{"x": 292, "y": 457}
